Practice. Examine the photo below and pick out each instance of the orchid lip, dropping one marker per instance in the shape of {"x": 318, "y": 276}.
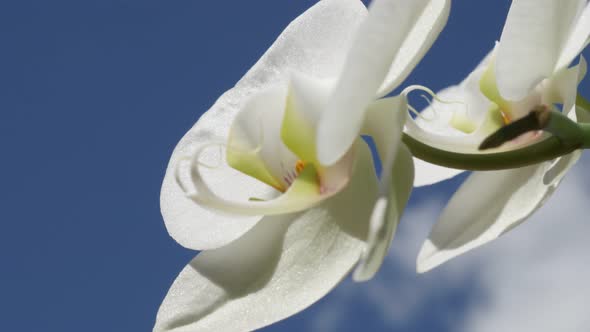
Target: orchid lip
{"x": 303, "y": 192}
{"x": 306, "y": 186}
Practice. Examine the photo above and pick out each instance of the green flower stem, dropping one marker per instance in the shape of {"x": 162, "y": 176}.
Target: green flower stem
{"x": 567, "y": 137}
{"x": 548, "y": 149}
{"x": 568, "y": 131}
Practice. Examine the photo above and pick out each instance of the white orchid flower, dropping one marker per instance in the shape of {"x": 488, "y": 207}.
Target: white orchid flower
{"x": 287, "y": 218}
{"x": 528, "y": 69}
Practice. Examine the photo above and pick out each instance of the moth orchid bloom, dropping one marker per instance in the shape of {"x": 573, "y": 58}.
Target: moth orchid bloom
{"x": 279, "y": 226}
{"x": 527, "y": 70}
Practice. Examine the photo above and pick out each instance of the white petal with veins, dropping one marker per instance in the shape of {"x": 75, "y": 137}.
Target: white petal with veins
{"x": 487, "y": 205}
{"x": 415, "y": 45}
{"x": 578, "y": 39}
{"x": 292, "y": 260}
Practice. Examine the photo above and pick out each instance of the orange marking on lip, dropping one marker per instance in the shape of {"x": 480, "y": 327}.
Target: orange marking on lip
{"x": 299, "y": 166}
{"x": 279, "y": 188}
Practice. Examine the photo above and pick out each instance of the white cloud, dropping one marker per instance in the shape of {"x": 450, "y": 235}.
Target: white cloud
{"x": 537, "y": 277}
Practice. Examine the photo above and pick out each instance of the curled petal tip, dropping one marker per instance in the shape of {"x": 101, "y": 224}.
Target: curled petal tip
{"x": 427, "y": 258}
{"x": 377, "y": 244}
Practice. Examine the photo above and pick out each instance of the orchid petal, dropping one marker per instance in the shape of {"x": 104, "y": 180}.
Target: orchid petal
{"x": 384, "y": 123}
{"x": 534, "y": 33}
{"x": 465, "y": 99}
{"x": 377, "y": 43}
{"x": 489, "y": 204}
{"x": 439, "y": 116}
{"x": 435, "y": 128}
{"x": 426, "y": 29}
{"x": 252, "y": 145}
{"x": 293, "y": 260}
{"x": 305, "y": 102}
{"x": 488, "y": 85}
{"x": 564, "y": 86}
{"x": 578, "y": 39}
{"x": 315, "y": 44}
{"x": 428, "y": 174}
{"x": 386, "y": 215}
{"x": 477, "y": 104}
{"x": 436, "y": 125}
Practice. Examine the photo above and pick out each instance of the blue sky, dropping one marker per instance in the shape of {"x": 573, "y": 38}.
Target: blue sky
{"x": 95, "y": 95}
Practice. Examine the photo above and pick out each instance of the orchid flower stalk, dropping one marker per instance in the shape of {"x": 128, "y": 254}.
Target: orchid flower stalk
{"x": 275, "y": 185}
{"x": 528, "y": 69}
